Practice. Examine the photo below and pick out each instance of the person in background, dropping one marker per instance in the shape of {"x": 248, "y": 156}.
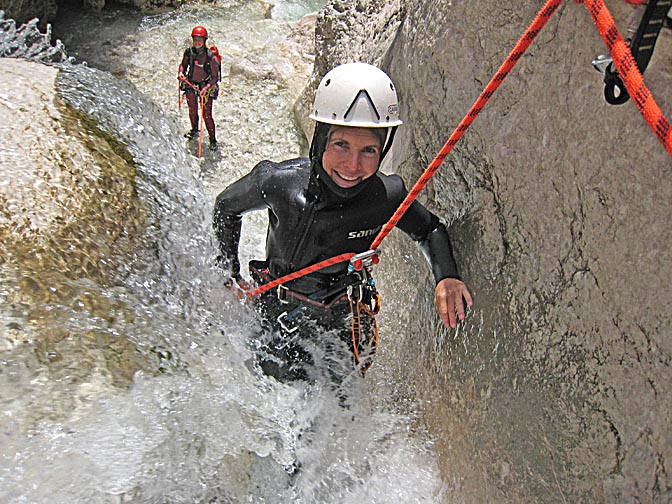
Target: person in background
{"x": 332, "y": 203}
{"x": 199, "y": 76}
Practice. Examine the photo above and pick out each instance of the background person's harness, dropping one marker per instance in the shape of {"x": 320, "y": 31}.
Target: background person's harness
{"x": 193, "y": 56}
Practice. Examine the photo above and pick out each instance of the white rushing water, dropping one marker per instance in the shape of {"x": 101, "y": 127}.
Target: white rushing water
{"x": 193, "y": 423}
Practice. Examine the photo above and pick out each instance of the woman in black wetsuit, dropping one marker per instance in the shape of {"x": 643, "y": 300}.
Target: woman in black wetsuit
{"x": 332, "y": 203}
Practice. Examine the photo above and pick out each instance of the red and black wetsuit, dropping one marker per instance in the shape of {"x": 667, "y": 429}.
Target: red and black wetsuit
{"x": 201, "y": 69}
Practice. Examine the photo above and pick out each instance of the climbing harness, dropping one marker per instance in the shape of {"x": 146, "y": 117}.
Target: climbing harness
{"x": 643, "y": 30}
{"x": 357, "y": 288}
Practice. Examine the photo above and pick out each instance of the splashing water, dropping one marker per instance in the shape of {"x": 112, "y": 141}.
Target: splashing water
{"x": 27, "y": 41}
{"x": 148, "y": 396}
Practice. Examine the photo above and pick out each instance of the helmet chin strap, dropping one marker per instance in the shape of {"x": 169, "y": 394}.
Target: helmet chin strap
{"x": 388, "y": 143}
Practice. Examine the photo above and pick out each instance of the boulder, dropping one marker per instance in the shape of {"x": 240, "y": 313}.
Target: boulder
{"x": 65, "y": 188}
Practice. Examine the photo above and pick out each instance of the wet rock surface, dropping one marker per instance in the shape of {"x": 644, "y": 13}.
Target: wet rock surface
{"x": 556, "y": 389}
{"x": 46, "y": 11}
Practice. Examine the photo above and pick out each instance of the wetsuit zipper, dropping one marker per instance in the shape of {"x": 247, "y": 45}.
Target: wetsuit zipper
{"x": 306, "y": 224}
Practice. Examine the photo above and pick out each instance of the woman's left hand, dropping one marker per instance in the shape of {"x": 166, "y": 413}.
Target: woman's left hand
{"x": 241, "y": 288}
{"x": 448, "y": 299}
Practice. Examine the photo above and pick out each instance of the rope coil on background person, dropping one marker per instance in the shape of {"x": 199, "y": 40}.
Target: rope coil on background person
{"x": 624, "y": 62}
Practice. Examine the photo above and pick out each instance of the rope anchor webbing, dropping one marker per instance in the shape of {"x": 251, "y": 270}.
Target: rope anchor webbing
{"x": 627, "y": 69}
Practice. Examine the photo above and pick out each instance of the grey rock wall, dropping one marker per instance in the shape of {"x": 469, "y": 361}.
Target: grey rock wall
{"x": 557, "y": 388}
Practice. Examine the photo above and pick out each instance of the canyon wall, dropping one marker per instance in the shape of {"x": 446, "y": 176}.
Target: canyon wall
{"x": 557, "y": 387}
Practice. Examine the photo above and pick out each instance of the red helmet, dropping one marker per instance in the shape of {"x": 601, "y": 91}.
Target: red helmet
{"x": 199, "y": 31}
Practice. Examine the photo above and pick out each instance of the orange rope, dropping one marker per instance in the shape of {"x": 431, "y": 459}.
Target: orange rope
{"x": 201, "y": 102}
{"x": 532, "y": 31}
{"x": 624, "y": 63}
{"x": 303, "y": 271}
{"x": 629, "y": 72}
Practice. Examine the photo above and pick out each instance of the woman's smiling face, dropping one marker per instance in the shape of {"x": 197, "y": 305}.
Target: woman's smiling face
{"x": 351, "y": 155}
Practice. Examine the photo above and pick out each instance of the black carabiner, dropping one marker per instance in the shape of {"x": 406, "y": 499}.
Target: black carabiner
{"x": 614, "y": 90}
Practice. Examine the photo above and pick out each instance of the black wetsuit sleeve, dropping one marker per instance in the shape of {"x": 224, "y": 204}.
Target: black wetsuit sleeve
{"x": 439, "y": 253}
{"x": 244, "y": 195}
{"x": 432, "y": 237}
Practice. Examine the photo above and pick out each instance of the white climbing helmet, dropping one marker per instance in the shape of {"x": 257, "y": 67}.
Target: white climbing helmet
{"x": 356, "y": 94}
